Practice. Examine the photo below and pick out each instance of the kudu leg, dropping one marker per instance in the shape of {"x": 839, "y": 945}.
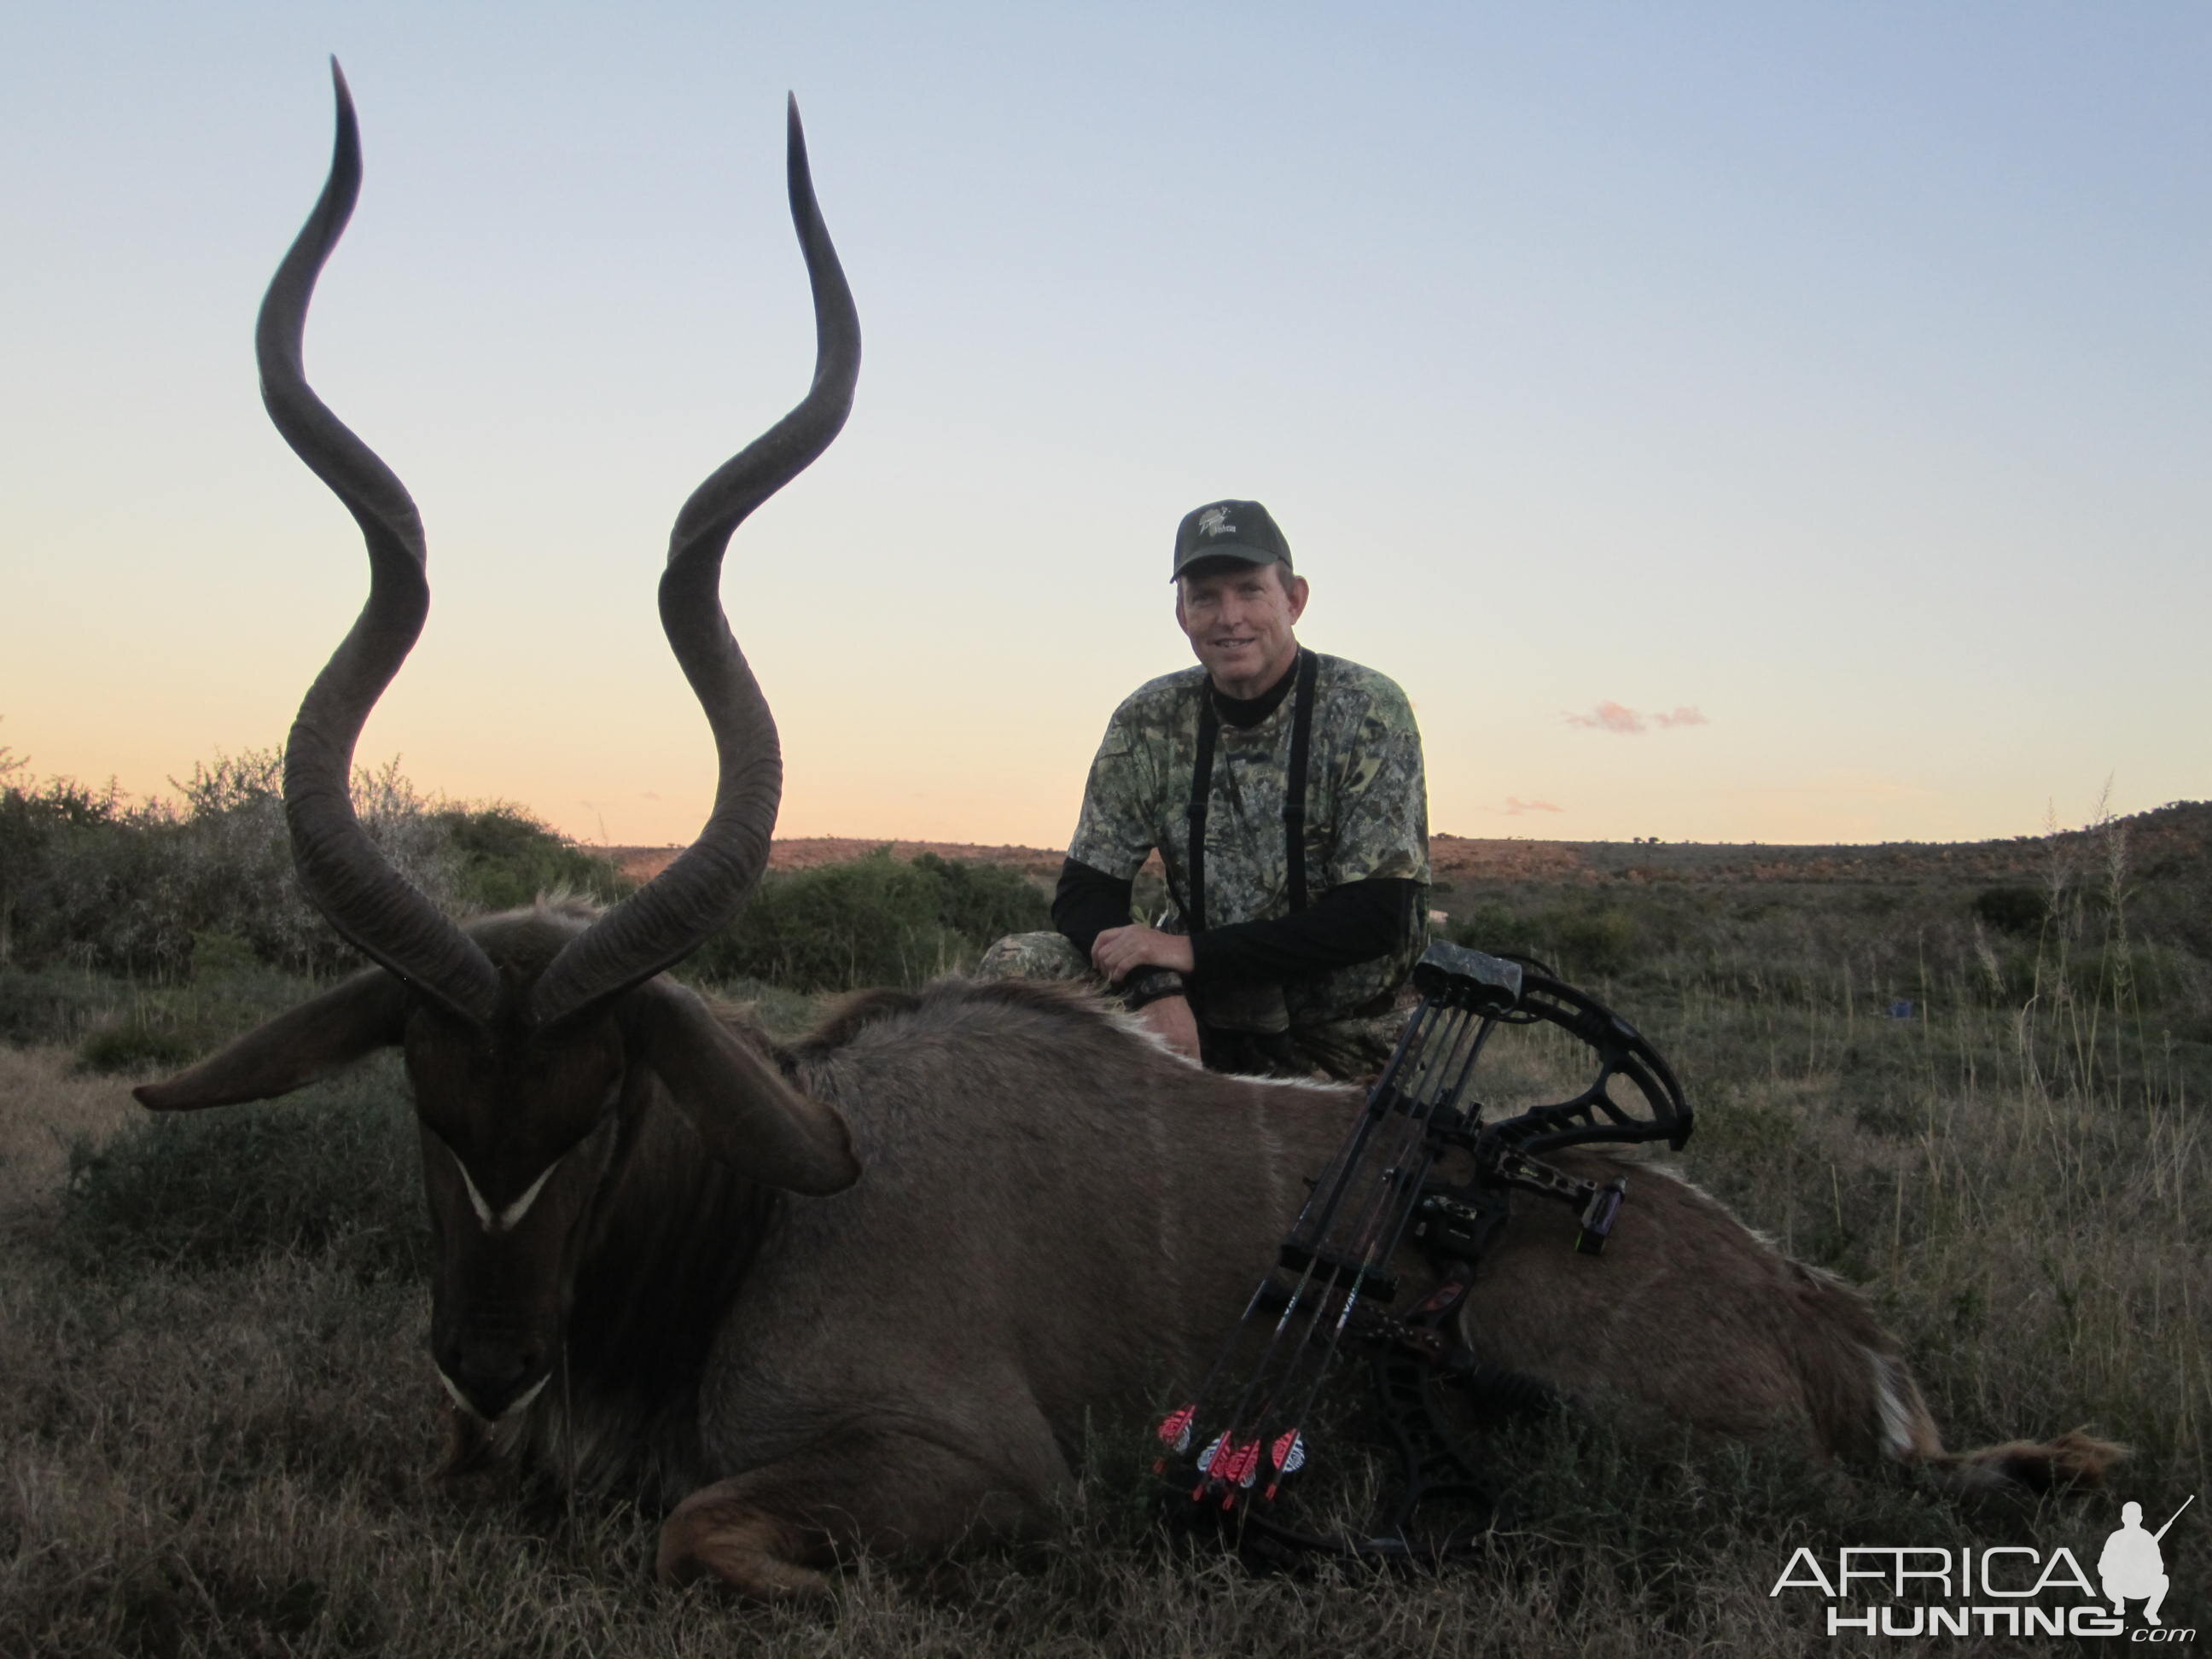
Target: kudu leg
{"x": 720, "y": 1532}
{"x": 767, "y": 1534}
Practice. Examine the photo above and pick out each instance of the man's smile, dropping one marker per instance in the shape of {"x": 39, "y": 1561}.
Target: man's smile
{"x": 1239, "y": 623}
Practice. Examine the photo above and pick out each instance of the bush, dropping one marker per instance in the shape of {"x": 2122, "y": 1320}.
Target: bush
{"x": 502, "y": 859}
{"x": 53, "y": 1004}
{"x": 2013, "y": 909}
{"x": 89, "y": 880}
{"x": 985, "y": 901}
{"x": 136, "y": 1045}
{"x": 1489, "y": 925}
{"x": 166, "y": 1025}
{"x": 1600, "y": 940}
{"x": 875, "y": 920}
{"x": 332, "y": 1171}
{"x": 1583, "y": 937}
{"x": 54, "y": 882}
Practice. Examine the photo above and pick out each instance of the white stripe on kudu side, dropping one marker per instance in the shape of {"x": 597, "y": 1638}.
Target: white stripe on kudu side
{"x": 504, "y": 1221}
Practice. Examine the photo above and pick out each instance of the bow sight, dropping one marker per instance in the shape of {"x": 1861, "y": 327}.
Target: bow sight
{"x": 1419, "y": 1165}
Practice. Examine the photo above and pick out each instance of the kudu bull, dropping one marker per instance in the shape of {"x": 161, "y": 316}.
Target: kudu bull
{"x": 868, "y": 1290}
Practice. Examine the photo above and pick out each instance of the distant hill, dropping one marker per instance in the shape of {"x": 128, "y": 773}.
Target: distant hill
{"x": 2174, "y": 841}
{"x": 805, "y": 853}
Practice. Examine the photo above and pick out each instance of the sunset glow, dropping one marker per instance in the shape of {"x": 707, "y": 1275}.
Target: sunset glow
{"x": 1727, "y": 421}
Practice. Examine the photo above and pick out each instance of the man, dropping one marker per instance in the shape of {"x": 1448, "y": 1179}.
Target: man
{"x": 1284, "y": 792}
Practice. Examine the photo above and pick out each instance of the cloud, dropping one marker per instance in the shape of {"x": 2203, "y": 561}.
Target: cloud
{"x": 1619, "y": 717}
{"x": 1515, "y": 806}
{"x": 1609, "y": 717}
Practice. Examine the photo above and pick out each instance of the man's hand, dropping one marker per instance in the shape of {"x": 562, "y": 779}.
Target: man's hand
{"x": 1170, "y": 1017}
{"x": 1119, "y": 951}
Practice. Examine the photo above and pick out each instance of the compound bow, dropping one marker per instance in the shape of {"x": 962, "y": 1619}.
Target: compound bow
{"x": 1228, "y": 1449}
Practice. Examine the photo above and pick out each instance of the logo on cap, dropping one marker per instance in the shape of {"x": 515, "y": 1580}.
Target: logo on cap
{"x": 1214, "y": 521}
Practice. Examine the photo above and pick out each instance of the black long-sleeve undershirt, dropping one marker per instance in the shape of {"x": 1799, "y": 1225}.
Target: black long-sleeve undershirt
{"x": 1356, "y": 922}
{"x": 1088, "y": 901}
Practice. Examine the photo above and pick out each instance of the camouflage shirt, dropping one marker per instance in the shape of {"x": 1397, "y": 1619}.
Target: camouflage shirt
{"x": 1366, "y": 813}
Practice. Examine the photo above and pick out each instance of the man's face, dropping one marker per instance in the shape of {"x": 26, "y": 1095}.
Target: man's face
{"x": 1239, "y": 621}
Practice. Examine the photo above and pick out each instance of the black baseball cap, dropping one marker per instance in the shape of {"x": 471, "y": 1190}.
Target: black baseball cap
{"x": 1229, "y": 530}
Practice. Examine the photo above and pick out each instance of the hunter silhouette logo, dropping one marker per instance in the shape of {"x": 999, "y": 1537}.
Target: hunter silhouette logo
{"x": 2132, "y": 1567}
{"x": 1214, "y": 521}
{"x": 1995, "y": 1589}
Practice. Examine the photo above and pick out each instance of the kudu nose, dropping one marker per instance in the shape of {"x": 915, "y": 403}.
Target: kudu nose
{"x": 490, "y": 1373}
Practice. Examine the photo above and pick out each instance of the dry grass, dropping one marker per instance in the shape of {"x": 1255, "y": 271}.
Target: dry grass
{"x": 43, "y": 1106}
{"x": 215, "y": 1424}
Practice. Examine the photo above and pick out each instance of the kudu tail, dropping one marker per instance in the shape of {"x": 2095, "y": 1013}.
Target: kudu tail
{"x": 1909, "y": 1436}
{"x": 2073, "y": 1459}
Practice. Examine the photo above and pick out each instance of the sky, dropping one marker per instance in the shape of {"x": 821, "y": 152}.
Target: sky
{"x": 1763, "y": 422}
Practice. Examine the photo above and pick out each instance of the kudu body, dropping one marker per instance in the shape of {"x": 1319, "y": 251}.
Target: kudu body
{"x": 871, "y": 1289}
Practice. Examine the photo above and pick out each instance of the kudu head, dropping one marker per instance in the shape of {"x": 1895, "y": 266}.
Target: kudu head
{"x": 533, "y": 1041}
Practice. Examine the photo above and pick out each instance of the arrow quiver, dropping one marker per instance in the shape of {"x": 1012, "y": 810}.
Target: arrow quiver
{"x": 1425, "y": 1165}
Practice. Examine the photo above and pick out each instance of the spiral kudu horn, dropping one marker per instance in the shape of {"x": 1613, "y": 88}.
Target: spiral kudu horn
{"x": 353, "y": 886}
{"x": 705, "y": 887}
{"x": 343, "y": 875}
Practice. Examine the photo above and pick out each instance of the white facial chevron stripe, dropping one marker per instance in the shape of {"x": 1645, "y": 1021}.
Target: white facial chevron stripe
{"x": 504, "y": 1220}
{"x": 515, "y": 1211}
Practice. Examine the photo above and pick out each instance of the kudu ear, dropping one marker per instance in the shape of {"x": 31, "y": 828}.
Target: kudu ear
{"x": 321, "y": 1035}
{"x": 750, "y": 1119}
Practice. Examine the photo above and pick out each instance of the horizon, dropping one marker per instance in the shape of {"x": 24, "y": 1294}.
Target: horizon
{"x": 16, "y": 770}
{"x": 1736, "y": 426}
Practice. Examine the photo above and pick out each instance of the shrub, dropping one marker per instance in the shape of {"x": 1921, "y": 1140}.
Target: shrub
{"x": 1489, "y": 925}
{"x": 136, "y": 1045}
{"x": 1581, "y": 936}
{"x": 86, "y": 878}
{"x": 332, "y": 1170}
{"x": 46, "y": 833}
{"x": 1600, "y": 940}
{"x": 124, "y": 889}
{"x": 502, "y": 857}
{"x": 235, "y": 856}
{"x": 53, "y": 1004}
{"x": 167, "y": 1024}
{"x": 873, "y": 921}
{"x": 2013, "y": 909}
{"x": 876, "y": 921}
{"x": 985, "y": 901}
